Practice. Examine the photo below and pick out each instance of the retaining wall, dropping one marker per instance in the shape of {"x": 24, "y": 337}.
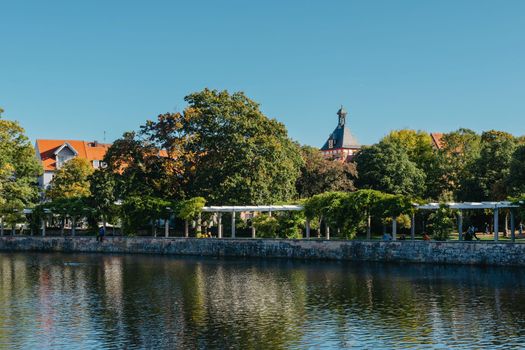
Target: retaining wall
{"x": 472, "y": 253}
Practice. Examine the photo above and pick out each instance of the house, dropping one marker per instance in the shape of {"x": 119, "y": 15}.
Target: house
{"x": 341, "y": 144}
{"x": 53, "y": 154}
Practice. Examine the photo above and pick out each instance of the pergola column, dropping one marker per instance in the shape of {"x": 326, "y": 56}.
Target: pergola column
{"x": 253, "y": 227}
{"x": 167, "y": 227}
{"x": 73, "y": 228}
{"x": 512, "y": 226}
{"x": 496, "y": 224}
{"x": 413, "y": 227}
{"x": 307, "y": 228}
{"x": 460, "y": 225}
{"x": 394, "y": 228}
{"x": 368, "y": 227}
{"x": 327, "y": 230}
{"x": 43, "y": 227}
{"x": 1, "y": 225}
{"x": 219, "y": 226}
{"x": 233, "y": 224}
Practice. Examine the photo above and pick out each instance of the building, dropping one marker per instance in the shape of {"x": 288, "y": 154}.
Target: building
{"x": 437, "y": 139}
{"x": 341, "y": 144}
{"x": 53, "y": 154}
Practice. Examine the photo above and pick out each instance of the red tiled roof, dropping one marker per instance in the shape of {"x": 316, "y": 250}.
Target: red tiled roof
{"x": 87, "y": 150}
{"x": 436, "y": 139}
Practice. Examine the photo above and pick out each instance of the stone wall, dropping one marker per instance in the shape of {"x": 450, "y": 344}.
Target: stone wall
{"x": 473, "y": 253}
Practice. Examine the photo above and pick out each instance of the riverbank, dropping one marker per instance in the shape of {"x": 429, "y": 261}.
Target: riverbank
{"x": 470, "y": 253}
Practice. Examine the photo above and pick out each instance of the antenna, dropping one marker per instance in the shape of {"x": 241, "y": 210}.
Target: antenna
{"x": 104, "y": 136}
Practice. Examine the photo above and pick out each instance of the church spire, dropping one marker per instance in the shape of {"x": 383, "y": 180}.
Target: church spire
{"x": 342, "y": 116}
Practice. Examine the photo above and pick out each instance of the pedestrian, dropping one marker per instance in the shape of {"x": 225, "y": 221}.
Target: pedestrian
{"x": 101, "y": 234}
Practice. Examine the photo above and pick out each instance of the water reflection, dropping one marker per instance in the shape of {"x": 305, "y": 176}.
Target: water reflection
{"x": 104, "y": 301}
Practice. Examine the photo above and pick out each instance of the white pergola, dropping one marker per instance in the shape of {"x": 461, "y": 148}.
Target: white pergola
{"x": 495, "y": 206}
{"x": 219, "y": 210}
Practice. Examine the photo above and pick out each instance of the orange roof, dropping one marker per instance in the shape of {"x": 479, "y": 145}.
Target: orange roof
{"x": 436, "y": 139}
{"x": 87, "y": 150}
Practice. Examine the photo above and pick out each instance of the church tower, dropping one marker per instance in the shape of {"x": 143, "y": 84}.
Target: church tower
{"x": 341, "y": 144}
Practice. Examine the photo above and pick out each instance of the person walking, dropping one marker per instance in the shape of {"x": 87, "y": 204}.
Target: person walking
{"x": 101, "y": 234}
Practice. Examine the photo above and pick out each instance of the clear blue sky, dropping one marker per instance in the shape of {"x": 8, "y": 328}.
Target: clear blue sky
{"x": 72, "y": 69}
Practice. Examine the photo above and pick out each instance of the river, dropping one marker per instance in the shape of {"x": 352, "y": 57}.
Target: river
{"x": 91, "y": 301}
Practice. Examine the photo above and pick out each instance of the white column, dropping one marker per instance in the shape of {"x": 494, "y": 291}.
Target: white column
{"x": 496, "y": 224}
{"x": 43, "y": 227}
{"x": 368, "y": 227}
{"x": 199, "y": 224}
{"x": 460, "y": 225}
{"x": 394, "y": 229}
{"x": 1, "y": 225}
{"x": 167, "y": 227}
{"x": 186, "y": 229}
{"x": 307, "y": 228}
{"x": 219, "y": 225}
{"x": 413, "y": 227}
{"x": 327, "y": 230}
{"x": 233, "y": 224}
{"x": 253, "y": 227}
{"x": 73, "y": 224}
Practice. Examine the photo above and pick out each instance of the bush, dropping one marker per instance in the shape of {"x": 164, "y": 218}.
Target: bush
{"x": 441, "y": 223}
{"x": 266, "y": 226}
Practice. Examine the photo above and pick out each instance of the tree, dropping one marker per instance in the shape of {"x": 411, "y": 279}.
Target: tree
{"x": 486, "y": 176}
{"x": 386, "y": 167}
{"x": 140, "y": 211}
{"x": 102, "y": 199}
{"x": 441, "y": 223}
{"x": 19, "y": 170}
{"x": 516, "y": 178}
{"x": 420, "y": 150}
{"x": 241, "y": 156}
{"x": 188, "y": 210}
{"x": 320, "y": 175}
{"x": 459, "y": 151}
{"x": 71, "y": 180}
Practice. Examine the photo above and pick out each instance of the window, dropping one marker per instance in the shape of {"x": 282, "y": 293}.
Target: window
{"x": 96, "y": 164}
{"x": 331, "y": 143}
{"x": 62, "y": 159}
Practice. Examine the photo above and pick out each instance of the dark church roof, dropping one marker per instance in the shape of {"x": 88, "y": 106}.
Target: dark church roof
{"x": 341, "y": 137}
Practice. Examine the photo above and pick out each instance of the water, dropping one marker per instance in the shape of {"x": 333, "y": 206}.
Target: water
{"x": 130, "y": 301}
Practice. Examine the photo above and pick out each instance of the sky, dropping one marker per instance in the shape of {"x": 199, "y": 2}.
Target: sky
{"x": 77, "y": 69}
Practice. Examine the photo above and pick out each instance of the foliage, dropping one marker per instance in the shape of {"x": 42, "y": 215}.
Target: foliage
{"x": 441, "y": 223}
{"x": 459, "y": 150}
{"x": 19, "y": 170}
{"x": 189, "y": 209}
{"x": 241, "y": 155}
{"x": 516, "y": 177}
{"x": 139, "y": 211}
{"x": 320, "y": 175}
{"x": 71, "y": 180}
{"x": 487, "y": 175}
{"x": 266, "y": 226}
{"x": 386, "y": 167}
{"x": 102, "y": 199}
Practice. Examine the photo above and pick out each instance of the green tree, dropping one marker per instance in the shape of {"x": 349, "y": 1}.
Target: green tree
{"x": 459, "y": 151}
{"x": 103, "y": 199}
{"x": 420, "y": 150}
{"x": 486, "y": 177}
{"x": 386, "y": 167}
{"x": 189, "y": 209}
{"x": 19, "y": 170}
{"x": 241, "y": 156}
{"x": 441, "y": 223}
{"x": 320, "y": 175}
{"x": 516, "y": 178}
{"x": 140, "y": 211}
{"x": 71, "y": 180}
